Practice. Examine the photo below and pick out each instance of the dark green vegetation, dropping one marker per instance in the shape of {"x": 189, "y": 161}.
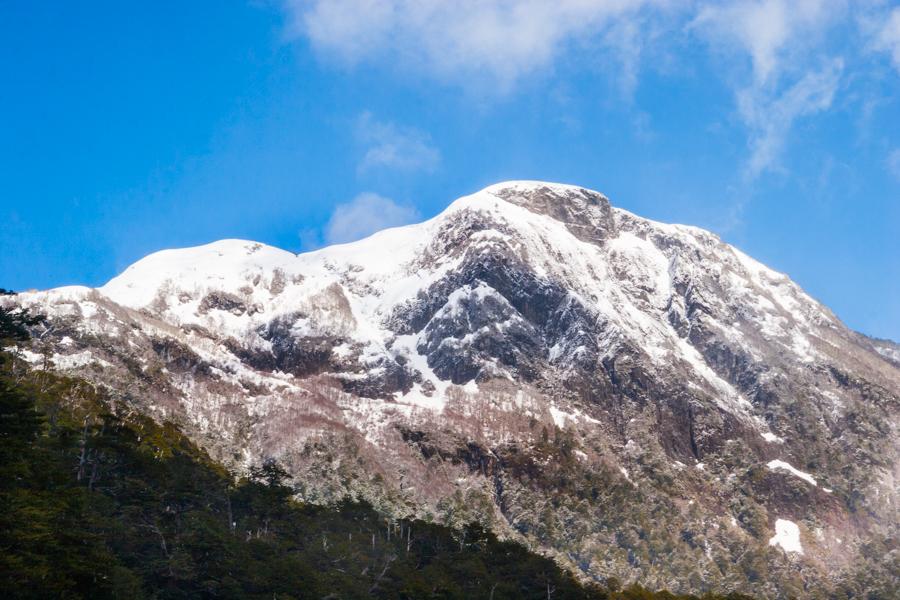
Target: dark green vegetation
{"x": 97, "y": 502}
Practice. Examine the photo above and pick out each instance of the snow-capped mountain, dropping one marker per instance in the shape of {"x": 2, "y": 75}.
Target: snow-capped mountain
{"x": 640, "y": 400}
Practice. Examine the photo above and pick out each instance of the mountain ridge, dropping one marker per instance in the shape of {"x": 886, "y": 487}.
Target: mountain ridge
{"x": 529, "y": 346}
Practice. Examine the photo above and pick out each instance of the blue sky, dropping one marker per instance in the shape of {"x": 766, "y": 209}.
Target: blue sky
{"x": 131, "y": 127}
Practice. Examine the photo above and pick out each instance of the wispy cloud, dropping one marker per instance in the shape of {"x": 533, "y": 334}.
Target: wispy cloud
{"x": 770, "y": 116}
{"x": 888, "y": 37}
{"x": 393, "y": 147}
{"x": 781, "y": 40}
{"x": 492, "y": 41}
{"x": 773, "y": 33}
{"x": 364, "y": 215}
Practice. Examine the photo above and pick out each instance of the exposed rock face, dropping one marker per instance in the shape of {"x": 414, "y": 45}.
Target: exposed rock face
{"x": 640, "y": 400}
{"x": 586, "y": 214}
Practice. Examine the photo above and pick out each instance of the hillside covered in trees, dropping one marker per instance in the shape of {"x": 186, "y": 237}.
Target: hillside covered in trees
{"x": 99, "y": 502}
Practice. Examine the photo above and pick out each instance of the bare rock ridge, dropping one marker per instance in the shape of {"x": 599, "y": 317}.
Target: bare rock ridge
{"x": 636, "y": 399}
{"x": 587, "y": 214}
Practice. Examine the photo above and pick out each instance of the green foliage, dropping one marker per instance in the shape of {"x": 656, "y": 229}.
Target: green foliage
{"x": 14, "y": 324}
{"x": 94, "y": 504}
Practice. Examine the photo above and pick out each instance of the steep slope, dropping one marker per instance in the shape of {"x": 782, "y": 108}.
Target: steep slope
{"x": 640, "y": 400}
{"x": 146, "y": 514}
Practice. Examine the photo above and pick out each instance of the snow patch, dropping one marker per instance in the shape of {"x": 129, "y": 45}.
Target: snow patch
{"x": 787, "y": 536}
{"x": 775, "y": 465}
{"x": 76, "y": 360}
{"x": 25, "y": 354}
{"x": 559, "y": 417}
{"x": 891, "y": 352}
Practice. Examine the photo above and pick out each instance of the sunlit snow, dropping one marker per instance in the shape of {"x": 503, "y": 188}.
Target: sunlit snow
{"x": 775, "y": 465}
{"x": 787, "y": 536}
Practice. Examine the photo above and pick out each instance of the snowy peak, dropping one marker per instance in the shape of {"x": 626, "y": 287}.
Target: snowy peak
{"x": 225, "y": 264}
{"x": 567, "y": 281}
{"x": 497, "y": 211}
{"x": 523, "y": 281}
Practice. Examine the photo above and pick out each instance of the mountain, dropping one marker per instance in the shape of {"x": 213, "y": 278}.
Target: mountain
{"x": 635, "y": 399}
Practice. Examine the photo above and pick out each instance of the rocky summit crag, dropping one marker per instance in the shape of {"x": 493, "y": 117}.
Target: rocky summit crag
{"x": 638, "y": 400}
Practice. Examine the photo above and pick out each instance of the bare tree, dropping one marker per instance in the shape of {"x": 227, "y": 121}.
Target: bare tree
{"x": 387, "y": 565}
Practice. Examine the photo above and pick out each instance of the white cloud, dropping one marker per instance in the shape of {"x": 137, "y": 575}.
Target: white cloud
{"x": 394, "y": 147}
{"x": 364, "y": 215}
{"x": 888, "y": 38}
{"x": 498, "y": 41}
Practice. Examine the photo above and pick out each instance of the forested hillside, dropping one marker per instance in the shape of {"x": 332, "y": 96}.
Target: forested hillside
{"x": 101, "y": 503}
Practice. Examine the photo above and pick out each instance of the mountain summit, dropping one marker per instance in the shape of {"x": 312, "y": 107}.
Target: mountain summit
{"x": 636, "y": 399}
